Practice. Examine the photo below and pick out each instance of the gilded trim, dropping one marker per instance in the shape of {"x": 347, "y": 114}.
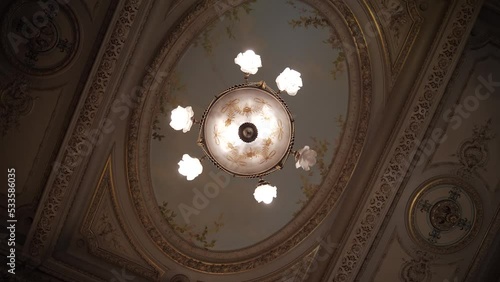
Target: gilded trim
{"x": 50, "y": 207}
{"x": 426, "y": 186}
{"x": 321, "y": 205}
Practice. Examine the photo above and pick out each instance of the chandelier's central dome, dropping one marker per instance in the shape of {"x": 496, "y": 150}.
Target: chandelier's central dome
{"x": 247, "y": 130}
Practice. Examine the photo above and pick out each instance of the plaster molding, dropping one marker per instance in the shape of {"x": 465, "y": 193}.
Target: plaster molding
{"x": 105, "y": 239}
{"x": 390, "y": 18}
{"x": 296, "y": 231}
{"x": 375, "y": 208}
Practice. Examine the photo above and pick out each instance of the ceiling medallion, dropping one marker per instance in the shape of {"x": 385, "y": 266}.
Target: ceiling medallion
{"x": 247, "y": 130}
{"x": 445, "y": 215}
{"x": 40, "y": 38}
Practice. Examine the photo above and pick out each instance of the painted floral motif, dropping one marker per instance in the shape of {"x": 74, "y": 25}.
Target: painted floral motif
{"x": 321, "y": 147}
{"x": 445, "y": 215}
{"x": 249, "y": 62}
{"x": 311, "y": 18}
{"x": 196, "y": 235}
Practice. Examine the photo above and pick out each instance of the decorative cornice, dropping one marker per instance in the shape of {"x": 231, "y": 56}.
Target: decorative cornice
{"x": 374, "y": 210}
{"x": 49, "y": 50}
{"x": 462, "y": 190}
{"x": 403, "y": 12}
{"x": 72, "y": 155}
{"x": 298, "y": 232}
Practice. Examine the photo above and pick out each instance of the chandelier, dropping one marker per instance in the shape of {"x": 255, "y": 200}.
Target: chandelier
{"x": 247, "y": 130}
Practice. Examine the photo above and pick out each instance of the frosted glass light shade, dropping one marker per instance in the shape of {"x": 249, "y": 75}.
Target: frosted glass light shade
{"x": 289, "y": 80}
{"x": 305, "y": 158}
{"x": 247, "y": 131}
{"x": 190, "y": 167}
{"x": 265, "y": 193}
{"x": 249, "y": 62}
{"x": 182, "y": 118}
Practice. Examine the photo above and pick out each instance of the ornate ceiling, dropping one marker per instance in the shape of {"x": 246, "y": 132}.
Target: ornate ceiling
{"x": 231, "y": 204}
{"x": 399, "y": 100}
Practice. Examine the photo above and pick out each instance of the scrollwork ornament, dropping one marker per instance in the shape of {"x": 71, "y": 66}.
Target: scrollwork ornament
{"x": 378, "y": 200}
{"x": 105, "y": 237}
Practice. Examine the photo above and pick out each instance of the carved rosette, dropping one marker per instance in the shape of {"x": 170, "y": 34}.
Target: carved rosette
{"x": 444, "y": 215}
{"x": 40, "y": 37}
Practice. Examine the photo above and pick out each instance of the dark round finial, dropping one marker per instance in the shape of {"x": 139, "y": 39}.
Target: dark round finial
{"x": 248, "y": 132}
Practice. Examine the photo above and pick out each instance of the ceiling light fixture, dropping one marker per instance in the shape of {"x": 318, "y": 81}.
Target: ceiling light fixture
{"x": 247, "y": 130}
